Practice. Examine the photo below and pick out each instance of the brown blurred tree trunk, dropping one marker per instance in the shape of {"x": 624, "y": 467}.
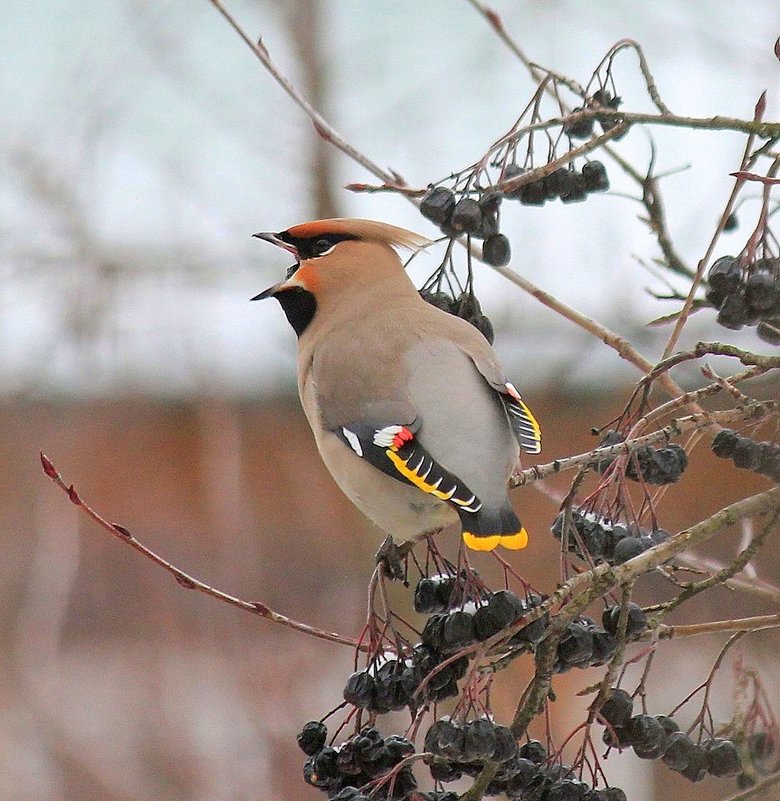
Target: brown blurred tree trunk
{"x": 305, "y": 23}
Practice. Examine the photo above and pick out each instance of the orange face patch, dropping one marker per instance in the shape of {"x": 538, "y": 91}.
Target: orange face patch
{"x": 307, "y": 277}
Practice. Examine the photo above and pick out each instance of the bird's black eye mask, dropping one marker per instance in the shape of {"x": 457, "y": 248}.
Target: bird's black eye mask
{"x": 311, "y": 247}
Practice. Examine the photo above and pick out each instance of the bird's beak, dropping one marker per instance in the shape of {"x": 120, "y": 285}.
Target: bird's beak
{"x": 280, "y": 243}
{"x": 270, "y": 292}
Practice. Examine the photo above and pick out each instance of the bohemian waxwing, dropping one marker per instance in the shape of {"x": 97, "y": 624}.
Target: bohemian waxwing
{"x": 410, "y": 409}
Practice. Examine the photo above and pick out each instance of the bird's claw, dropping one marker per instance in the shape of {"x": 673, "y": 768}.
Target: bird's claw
{"x": 392, "y": 557}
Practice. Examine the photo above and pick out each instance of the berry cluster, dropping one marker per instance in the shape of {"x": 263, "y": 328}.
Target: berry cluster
{"x": 604, "y": 540}
{"x": 465, "y": 305}
{"x": 747, "y": 297}
{"x": 477, "y": 218}
{"x": 439, "y": 593}
{"x": 583, "y": 128}
{"x": 583, "y": 644}
{"x": 453, "y": 630}
{"x": 523, "y": 773}
{"x": 394, "y": 683}
{"x": 659, "y": 737}
{"x": 763, "y": 457}
{"x": 363, "y": 758}
{"x": 652, "y": 465}
{"x": 565, "y": 183}
{"x": 462, "y": 745}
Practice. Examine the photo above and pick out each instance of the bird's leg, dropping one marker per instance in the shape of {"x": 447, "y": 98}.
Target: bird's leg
{"x": 405, "y": 547}
{"x": 393, "y": 558}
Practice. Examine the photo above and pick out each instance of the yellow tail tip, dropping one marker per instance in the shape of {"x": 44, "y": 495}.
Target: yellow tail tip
{"x": 513, "y": 542}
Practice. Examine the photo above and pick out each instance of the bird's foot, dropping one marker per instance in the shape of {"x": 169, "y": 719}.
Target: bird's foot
{"x": 393, "y": 558}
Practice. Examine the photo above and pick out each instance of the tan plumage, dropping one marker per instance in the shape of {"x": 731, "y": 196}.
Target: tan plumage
{"x": 409, "y": 407}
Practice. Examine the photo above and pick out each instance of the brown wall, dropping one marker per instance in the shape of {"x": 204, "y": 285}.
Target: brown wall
{"x": 116, "y": 683}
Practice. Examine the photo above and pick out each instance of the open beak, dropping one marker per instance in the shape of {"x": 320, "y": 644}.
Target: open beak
{"x": 280, "y": 243}
{"x": 270, "y": 292}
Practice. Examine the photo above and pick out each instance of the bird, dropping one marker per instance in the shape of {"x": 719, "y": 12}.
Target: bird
{"x": 409, "y": 406}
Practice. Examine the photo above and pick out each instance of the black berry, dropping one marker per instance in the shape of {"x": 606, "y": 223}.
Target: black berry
{"x": 579, "y": 128}
{"x": 466, "y": 216}
{"x": 626, "y": 549}
{"x": 496, "y": 250}
{"x": 724, "y": 442}
{"x": 312, "y": 737}
{"x": 723, "y": 758}
{"x": 438, "y": 204}
{"x": 594, "y": 176}
{"x": 617, "y": 709}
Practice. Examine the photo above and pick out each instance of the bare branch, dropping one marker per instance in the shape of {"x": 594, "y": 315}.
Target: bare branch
{"x": 752, "y": 411}
{"x": 748, "y": 624}
{"x": 321, "y": 125}
{"x": 184, "y": 579}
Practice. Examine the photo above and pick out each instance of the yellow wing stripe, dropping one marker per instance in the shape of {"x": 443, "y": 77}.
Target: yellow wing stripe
{"x": 532, "y": 420}
{"x": 403, "y": 468}
{"x": 512, "y": 541}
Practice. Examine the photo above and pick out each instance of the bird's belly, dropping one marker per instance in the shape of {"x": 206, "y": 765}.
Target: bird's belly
{"x": 397, "y": 508}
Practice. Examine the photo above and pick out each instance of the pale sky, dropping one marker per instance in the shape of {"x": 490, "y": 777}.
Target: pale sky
{"x": 142, "y": 145}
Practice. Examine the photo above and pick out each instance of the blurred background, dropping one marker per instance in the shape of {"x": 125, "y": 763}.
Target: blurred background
{"x": 141, "y": 146}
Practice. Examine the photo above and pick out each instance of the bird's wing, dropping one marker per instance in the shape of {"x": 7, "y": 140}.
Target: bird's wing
{"x": 393, "y": 448}
{"x": 526, "y": 429}
{"x": 524, "y": 425}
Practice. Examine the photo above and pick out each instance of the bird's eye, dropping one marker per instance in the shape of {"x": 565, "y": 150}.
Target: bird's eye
{"x": 323, "y": 246}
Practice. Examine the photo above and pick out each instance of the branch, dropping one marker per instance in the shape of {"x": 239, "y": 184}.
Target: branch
{"x": 764, "y": 130}
{"x": 727, "y": 572}
{"x": 321, "y": 125}
{"x": 751, "y": 411}
{"x": 746, "y": 357}
{"x": 760, "y": 588}
{"x": 755, "y": 128}
{"x": 748, "y": 624}
{"x": 184, "y": 579}
{"x": 656, "y": 219}
{"x": 758, "y": 791}
{"x": 685, "y": 312}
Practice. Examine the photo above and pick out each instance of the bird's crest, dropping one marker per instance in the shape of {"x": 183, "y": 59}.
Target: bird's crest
{"x": 365, "y": 230}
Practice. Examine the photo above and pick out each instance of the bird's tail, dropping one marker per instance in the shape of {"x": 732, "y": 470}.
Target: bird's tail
{"x": 488, "y": 528}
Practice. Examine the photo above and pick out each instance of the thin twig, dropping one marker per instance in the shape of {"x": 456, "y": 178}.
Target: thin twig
{"x": 762, "y": 791}
{"x": 685, "y": 312}
{"x": 747, "y": 624}
{"x": 752, "y": 411}
{"x": 737, "y": 565}
{"x": 321, "y": 125}
{"x": 184, "y": 579}
{"x": 760, "y": 588}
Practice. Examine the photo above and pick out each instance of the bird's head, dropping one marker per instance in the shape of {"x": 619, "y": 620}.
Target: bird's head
{"x": 334, "y": 259}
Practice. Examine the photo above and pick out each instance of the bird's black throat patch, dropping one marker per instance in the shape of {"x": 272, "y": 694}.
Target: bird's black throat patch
{"x": 299, "y": 306}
